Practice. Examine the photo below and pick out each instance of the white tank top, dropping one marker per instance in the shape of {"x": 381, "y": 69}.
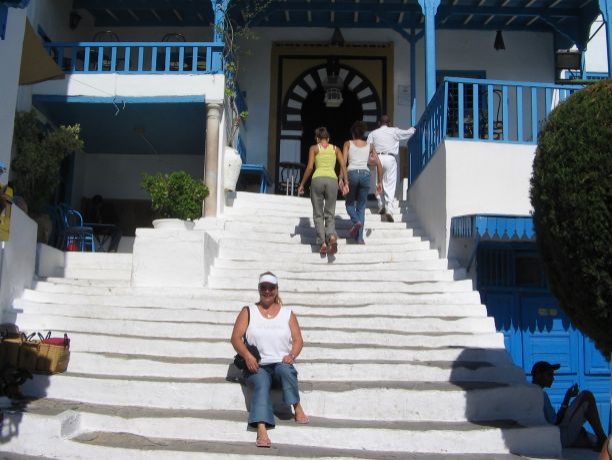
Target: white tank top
{"x": 358, "y": 156}
{"x": 272, "y": 337}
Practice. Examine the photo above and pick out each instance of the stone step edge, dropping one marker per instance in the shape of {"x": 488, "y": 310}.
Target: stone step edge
{"x": 304, "y": 311}
{"x": 55, "y": 407}
{"x": 467, "y": 363}
{"x": 76, "y": 425}
{"x": 340, "y": 345}
{"x": 321, "y": 386}
{"x": 223, "y": 450}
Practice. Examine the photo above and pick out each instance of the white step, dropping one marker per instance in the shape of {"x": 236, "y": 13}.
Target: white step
{"x": 338, "y": 371}
{"x": 338, "y": 265}
{"x": 242, "y": 297}
{"x": 373, "y": 285}
{"x": 390, "y": 401}
{"x": 371, "y": 232}
{"x": 314, "y": 329}
{"x": 149, "y": 434}
{"x": 474, "y": 348}
{"x": 400, "y": 358}
{"x": 227, "y": 312}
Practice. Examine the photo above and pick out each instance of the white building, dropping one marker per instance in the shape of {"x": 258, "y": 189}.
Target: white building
{"x": 147, "y": 85}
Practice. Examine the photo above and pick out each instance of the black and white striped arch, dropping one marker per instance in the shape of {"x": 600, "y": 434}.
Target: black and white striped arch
{"x": 309, "y": 81}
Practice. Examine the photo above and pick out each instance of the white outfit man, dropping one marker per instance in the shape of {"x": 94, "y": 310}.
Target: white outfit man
{"x": 386, "y": 141}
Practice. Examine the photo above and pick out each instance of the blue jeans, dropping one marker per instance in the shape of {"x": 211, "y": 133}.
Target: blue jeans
{"x": 359, "y": 186}
{"x": 261, "y": 382}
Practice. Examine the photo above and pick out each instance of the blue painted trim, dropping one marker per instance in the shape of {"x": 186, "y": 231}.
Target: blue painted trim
{"x": 241, "y": 148}
{"x": 104, "y": 57}
{"x": 413, "y": 103}
{"x": 16, "y": 3}
{"x": 120, "y": 99}
{"x": 265, "y": 178}
{"x": 3, "y": 20}
{"x": 429, "y": 8}
{"x": 493, "y": 227}
{"x": 219, "y": 9}
{"x": 605, "y": 6}
{"x": 437, "y": 123}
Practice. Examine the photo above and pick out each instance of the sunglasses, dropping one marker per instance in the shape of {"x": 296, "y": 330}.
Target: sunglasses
{"x": 267, "y": 287}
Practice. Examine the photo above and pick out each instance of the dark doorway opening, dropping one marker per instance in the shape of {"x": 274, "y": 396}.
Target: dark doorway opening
{"x": 337, "y": 120}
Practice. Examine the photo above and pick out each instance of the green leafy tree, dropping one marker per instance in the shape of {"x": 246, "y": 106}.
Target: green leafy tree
{"x": 571, "y": 196}
{"x": 35, "y": 169}
{"x": 175, "y": 195}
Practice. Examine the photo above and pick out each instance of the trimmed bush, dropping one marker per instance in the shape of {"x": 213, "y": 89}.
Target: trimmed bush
{"x": 571, "y": 196}
{"x": 39, "y": 152}
{"x": 175, "y": 195}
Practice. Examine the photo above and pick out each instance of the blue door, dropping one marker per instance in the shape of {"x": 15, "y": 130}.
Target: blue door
{"x": 535, "y": 328}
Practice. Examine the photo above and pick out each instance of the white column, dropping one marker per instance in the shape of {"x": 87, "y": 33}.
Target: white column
{"x": 213, "y": 121}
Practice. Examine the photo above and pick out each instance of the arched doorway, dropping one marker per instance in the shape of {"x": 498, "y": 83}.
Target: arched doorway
{"x": 303, "y": 109}
{"x": 337, "y": 120}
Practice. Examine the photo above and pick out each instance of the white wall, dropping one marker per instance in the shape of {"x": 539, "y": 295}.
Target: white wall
{"x": 596, "y": 58}
{"x": 210, "y": 87}
{"x": 18, "y": 258}
{"x": 119, "y": 176}
{"x": 427, "y": 196}
{"x": 465, "y": 50}
{"x": 471, "y": 178}
{"x": 10, "y": 56}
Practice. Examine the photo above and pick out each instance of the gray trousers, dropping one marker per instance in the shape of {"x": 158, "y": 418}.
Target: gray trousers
{"x": 323, "y": 193}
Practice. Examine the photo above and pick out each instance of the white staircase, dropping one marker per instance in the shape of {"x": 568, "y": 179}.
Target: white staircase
{"x": 400, "y": 359}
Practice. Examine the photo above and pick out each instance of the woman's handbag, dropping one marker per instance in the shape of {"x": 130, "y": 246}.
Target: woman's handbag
{"x": 239, "y": 361}
{"x": 372, "y": 157}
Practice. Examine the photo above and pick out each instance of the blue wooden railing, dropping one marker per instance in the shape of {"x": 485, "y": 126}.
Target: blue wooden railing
{"x": 483, "y": 110}
{"x": 137, "y": 57}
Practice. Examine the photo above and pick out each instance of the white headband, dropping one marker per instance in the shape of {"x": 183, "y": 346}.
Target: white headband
{"x": 268, "y": 278}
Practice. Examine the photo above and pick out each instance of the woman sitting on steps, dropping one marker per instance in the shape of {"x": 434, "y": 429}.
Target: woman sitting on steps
{"x": 275, "y": 331}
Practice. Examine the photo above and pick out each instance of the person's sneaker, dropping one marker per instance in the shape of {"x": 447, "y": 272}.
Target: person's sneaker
{"x": 360, "y": 242}
{"x": 389, "y": 217}
{"x": 355, "y": 230}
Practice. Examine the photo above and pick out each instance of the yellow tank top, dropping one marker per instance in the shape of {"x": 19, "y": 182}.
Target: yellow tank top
{"x": 325, "y": 162}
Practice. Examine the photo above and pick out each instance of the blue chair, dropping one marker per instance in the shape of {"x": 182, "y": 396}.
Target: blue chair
{"x": 74, "y": 235}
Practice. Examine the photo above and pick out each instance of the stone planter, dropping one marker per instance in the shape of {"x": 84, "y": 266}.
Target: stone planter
{"x": 176, "y": 224}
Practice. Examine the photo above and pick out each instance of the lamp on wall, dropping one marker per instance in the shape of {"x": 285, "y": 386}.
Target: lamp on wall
{"x": 332, "y": 84}
{"x": 499, "y": 41}
{"x": 74, "y": 19}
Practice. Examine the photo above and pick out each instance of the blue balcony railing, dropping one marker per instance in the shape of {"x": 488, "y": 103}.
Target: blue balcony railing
{"x": 138, "y": 57}
{"x": 483, "y": 110}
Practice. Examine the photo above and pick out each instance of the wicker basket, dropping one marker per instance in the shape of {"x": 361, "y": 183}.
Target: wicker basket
{"x": 49, "y": 356}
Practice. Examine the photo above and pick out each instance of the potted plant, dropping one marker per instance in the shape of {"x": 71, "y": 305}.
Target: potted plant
{"x": 174, "y": 196}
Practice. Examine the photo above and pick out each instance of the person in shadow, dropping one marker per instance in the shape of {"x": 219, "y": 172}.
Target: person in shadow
{"x": 275, "y": 331}
{"x": 101, "y": 213}
{"x": 322, "y": 158}
{"x": 571, "y": 417}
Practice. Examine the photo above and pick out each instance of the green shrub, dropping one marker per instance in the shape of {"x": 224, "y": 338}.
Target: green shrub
{"x": 571, "y": 196}
{"x": 175, "y": 195}
{"x": 35, "y": 169}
